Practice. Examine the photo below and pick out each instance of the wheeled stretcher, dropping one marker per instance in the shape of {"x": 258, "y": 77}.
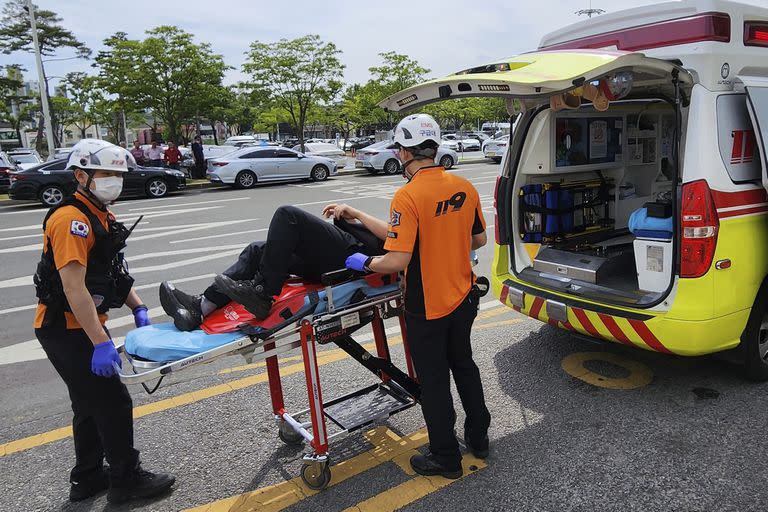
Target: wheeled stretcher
{"x": 304, "y": 317}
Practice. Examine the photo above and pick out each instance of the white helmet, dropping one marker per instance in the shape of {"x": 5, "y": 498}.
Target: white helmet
{"x": 97, "y": 155}
{"x": 416, "y": 129}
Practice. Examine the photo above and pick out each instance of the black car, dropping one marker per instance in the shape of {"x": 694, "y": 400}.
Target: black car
{"x": 51, "y": 182}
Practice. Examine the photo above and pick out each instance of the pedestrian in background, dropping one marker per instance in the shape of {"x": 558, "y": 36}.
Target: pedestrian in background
{"x": 197, "y": 153}
{"x": 172, "y": 156}
{"x": 154, "y": 155}
{"x": 138, "y": 153}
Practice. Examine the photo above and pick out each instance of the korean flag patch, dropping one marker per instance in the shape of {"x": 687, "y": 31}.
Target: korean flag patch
{"x": 78, "y": 228}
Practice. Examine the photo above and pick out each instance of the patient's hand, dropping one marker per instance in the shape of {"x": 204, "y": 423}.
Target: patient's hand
{"x": 340, "y": 211}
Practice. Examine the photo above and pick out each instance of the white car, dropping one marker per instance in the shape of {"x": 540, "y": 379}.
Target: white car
{"x": 331, "y": 151}
{"x": 60, "y": 153}
{"x": 237, "y": 140}
{"x": 495, "y": 148}
{"x": 382, "y": 156}
{"x": 246, "y": 167}
{"x": 459, "y": 143}
{"x": 25, "y": 158}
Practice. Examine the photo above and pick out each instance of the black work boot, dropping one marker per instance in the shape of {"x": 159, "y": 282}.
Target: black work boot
{"x": 86, "y": 487}
{"x": 138, "y": 484}
{"x": 250, "y": 294}
{"x": 182, "y": 307}
{"x": 481, "y": 451}
{"x": 427, "y": 465}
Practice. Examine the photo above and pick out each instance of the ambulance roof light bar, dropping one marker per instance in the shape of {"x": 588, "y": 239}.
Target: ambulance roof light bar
{"x": 711, "y": 26}
{"x": 756, "y": 34}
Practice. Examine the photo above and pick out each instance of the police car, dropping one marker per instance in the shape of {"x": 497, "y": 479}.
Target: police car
{"x": 632, "y": 204}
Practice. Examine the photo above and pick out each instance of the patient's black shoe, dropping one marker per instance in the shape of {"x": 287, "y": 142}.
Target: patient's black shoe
{"x": 248, "y": 293}
{"x": 182, "y": 307}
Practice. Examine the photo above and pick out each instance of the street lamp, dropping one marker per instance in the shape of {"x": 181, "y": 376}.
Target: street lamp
{"x": 40, "y": 81}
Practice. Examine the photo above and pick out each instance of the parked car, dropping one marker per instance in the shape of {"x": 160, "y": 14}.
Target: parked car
{"x": 239, "y": 139}
{"x": 246, "y": 167}
{"x": 382, "y": 156}
{"x": 460, "y": 143}
{"x": 25, "y": 158}
{"x": 60, "y": 153}
{"x": 7, "y": 167}
{"x": 495, "y": 148}
{"x": 51, "y": 182}
{"x": 331, "y": 151}
{"x": 360, "y": 143}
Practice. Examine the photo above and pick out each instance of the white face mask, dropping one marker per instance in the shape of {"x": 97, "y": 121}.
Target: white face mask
{"x": 108, "y": 189}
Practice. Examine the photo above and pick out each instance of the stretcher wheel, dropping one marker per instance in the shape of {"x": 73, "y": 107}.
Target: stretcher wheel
{"x": 288, "y": 435}
{"x": 317, "y": 475}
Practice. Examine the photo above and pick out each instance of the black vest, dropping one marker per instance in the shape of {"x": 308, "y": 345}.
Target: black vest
{"x": 106, "y": 276}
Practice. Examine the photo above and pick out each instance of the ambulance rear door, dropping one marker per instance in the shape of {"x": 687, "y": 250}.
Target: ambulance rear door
{"x": 756, "y": 88}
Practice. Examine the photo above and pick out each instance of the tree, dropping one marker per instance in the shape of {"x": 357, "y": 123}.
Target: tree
{"x": 84, "y": 93}
{"x": 16, "y": 35}
{"x": 15, "y": 108}
{"x": 297, "y": 75}
{"x": 63, "y": 114}
{"x": 166, "y": 73}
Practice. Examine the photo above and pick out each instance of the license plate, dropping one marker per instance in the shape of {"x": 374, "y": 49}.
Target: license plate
{"x": 490, "y": 153}
{"x": 359, "y": 163}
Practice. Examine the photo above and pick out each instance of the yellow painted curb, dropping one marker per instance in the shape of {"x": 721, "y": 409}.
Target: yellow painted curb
{"x": 639, "y": 374}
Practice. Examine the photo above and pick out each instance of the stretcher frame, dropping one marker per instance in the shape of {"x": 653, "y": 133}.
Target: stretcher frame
{"x": 334, "y": 326}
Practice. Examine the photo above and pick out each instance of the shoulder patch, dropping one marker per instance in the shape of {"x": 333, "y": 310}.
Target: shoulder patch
{"x": 394, "y": 220}
{"x": 79, "y": 228}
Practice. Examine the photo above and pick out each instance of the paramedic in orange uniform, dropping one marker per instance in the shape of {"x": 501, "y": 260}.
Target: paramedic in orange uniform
{"x": 80, "y": 276}
{"x": 435, "y": 221}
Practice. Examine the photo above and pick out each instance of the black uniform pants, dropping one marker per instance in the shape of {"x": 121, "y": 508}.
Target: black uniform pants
{"x": 103, "y": 411}
{"x": 297, "y": 243}
{"x": 441, "y": 347}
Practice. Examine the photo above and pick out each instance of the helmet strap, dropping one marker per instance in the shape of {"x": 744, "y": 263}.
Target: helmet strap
{"x": 87, "y": 191}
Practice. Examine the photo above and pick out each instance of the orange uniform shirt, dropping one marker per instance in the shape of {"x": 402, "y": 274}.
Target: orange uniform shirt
{"x": 434, "y": 217}
{"x": 71, "y": 238}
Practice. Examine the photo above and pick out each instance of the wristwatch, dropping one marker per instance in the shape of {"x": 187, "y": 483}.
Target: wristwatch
{"x": 367, "y": 264}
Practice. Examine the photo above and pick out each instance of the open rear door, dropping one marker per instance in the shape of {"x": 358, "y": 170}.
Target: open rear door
{"x": 537, "y": 76}
{"x": 757, "y": 104}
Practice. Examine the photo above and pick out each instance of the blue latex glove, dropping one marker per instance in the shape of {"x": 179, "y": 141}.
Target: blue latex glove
{"x": 356, "y": 262}
{"x": 103, "y": 356}
{"x": 141, "y": 316}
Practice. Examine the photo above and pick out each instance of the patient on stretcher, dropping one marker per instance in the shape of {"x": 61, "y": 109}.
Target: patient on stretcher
{"x": 297, "y": 243}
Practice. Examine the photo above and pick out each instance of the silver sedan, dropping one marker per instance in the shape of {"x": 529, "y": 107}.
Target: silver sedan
{"x": 248, "y": 166}
{"x": 382, "y": 156}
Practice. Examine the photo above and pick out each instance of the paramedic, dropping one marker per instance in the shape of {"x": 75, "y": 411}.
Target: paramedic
{"x": 435, "y": 221}
{"x": 291, "y": 247}
{"x": 80, "y": 276}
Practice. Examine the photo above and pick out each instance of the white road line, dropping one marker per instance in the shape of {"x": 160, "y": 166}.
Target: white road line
{"x": 222, "y": 235}
{"x": 32, "y": 351}
{"x": 340, "y": 199}
{"x": 181, "y": 263}
{"x": 194, "y": 250}
{"x": 137, "y": 288}
{"x": 36, "y": 235}
{"x": 22, "y": 248}
{"x": 174, "y": 231}
{"x": 322, "y": 185}
{"x": 144, "y": 208}
{"x": 37, "y": 226}
{"x": 130, "y": 217}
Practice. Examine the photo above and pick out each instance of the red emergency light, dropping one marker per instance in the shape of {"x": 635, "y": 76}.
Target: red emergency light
{"x": 756, "y": 34}
{"x": 712, "y": 26}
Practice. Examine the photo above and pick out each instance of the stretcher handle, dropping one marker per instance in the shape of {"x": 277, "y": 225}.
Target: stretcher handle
{"x": 339, "y": 276}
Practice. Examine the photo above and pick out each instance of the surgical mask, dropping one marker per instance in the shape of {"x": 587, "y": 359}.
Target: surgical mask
{"x": 108, "y": 189}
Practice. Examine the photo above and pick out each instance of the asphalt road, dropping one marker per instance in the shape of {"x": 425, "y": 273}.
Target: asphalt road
{"x": 678, "y": 434}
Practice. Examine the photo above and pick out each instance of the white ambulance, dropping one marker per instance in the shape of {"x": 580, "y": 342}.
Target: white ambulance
{"x": 632, "y": 205}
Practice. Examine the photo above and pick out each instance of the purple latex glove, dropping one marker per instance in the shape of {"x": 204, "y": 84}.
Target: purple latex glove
{"x": 141, "y": 316}
{"x": 103, "y": 356}
{"x": 357, "y": 262}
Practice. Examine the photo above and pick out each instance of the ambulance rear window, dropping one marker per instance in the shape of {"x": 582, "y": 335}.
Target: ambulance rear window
{"x": 736, "y": 138}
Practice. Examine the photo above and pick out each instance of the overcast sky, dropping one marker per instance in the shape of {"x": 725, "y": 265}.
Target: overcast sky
{"x": 443, "y": 35}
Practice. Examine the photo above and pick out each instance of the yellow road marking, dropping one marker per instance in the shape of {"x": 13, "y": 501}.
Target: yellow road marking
{"x": 482, "y": 315}
{"x": 499, "y": 323}
{"x": 639, "y": 374}
{"x": 401, "y": 495}
{"x": 386, "y": 446}
{"x": 326, "y": 357}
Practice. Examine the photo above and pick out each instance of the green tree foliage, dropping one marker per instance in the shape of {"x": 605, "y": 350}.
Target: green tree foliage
{"x": 296, "y": 75}
{"x": 166, "y": 73}
{"x": 84, "y": 94}
{"x": 466, "y": 113}
{"x": 15, "y": 109}
{"x": 16, "y": 36}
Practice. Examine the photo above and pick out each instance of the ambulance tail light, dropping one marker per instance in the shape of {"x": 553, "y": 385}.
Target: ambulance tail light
{"x": 711, "y": 26}
{"x": 700, "y": 224}
{"x": 756, "y": 34}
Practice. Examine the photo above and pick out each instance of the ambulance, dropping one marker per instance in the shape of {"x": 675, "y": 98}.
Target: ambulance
{"x": 631, "y": 206}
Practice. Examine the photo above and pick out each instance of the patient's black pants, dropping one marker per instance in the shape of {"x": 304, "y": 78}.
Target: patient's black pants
{"x": 297, "y": 243}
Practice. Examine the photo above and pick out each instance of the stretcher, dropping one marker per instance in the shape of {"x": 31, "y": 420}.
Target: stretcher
{"x": 304, "y": 318}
